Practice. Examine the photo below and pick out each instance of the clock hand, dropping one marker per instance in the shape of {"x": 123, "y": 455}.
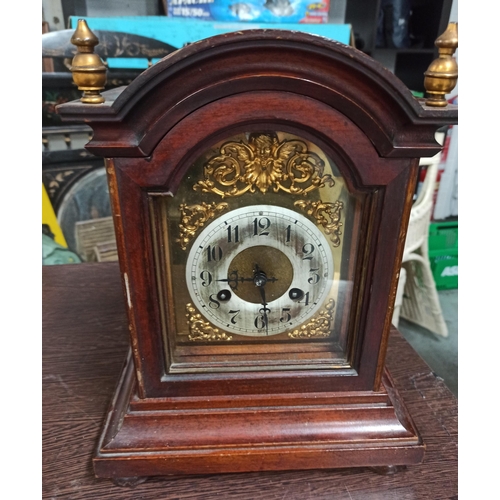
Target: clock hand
{"x": 234, "y": 279}
{"x": 260, "y": 279}
{"x": 264, "y": 309}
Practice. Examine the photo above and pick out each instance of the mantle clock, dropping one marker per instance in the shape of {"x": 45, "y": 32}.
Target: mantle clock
{"x": 261, "y": 184}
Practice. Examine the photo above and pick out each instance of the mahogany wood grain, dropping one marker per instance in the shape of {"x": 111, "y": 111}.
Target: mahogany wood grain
{"x": 85, "y": 341}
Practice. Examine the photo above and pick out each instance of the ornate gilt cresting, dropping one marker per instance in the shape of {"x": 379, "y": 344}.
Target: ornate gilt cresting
{"x": 442, "y": 74}
{"x": 265, "y": 163}
{"x": 87, "y": 68}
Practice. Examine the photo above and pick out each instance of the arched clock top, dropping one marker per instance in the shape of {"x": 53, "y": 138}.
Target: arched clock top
{"x": 132, "y": 120}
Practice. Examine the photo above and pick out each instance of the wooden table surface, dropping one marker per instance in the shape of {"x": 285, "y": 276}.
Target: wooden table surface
{"x": 85, "y": 341}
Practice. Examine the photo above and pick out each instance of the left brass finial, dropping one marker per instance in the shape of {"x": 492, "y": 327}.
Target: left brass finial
{"x": 89, "y": 72}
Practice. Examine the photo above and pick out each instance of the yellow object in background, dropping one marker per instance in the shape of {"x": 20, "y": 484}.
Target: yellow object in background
{"x": 49, "y": 218}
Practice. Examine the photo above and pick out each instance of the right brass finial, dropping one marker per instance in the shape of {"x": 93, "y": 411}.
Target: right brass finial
{"x": 442, "y": 74}
{"x": 89, "y": 72}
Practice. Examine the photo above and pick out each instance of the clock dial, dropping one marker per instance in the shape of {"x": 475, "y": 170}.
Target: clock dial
{"x": 259, "y": 270}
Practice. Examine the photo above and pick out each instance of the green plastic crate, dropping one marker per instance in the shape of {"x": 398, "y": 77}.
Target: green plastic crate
{"x": 443, "y": 254}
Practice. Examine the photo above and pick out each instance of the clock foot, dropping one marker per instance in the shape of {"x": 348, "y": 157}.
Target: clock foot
{"x": 129, "y": 482}
{"x": 388, "y": 470}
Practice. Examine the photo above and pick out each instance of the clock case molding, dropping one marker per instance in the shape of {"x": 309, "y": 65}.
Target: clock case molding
{"x": 150, "y": 132}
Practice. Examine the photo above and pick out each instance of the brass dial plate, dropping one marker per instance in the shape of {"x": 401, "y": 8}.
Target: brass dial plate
{"x": 270, "y": 260}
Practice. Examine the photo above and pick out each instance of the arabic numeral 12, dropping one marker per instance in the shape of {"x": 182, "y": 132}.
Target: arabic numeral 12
{"x": 260, "y": 226}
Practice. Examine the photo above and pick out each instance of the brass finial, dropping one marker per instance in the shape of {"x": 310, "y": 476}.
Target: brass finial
{"x": 89, "y": 72}
{"x": 442, "y": 74}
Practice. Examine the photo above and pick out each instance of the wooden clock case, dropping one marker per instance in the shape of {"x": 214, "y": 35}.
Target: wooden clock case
{"x": 150, "y": 132}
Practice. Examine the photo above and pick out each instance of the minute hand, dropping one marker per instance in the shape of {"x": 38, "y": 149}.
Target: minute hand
{"x": 264, "y": 308}
{"x": 260, "y": 279}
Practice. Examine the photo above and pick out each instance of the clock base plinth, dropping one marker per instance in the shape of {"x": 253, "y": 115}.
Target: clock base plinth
{"x": 171, "y": 436}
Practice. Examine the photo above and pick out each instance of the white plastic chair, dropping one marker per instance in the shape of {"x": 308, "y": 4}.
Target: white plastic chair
{"x": 417, "y": 299}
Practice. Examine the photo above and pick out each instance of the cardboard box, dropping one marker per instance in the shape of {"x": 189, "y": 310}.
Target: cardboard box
{"x": 262, "y": 11}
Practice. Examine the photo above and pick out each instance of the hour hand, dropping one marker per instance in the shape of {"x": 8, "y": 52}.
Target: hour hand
{"x": 233, "y": 280}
